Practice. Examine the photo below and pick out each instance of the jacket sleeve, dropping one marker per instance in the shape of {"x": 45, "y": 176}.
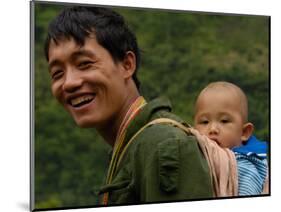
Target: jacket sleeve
{"x": 168, "y": 165}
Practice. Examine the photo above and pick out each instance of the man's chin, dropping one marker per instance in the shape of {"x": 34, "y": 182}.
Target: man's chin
{"x": 84, "y": 123}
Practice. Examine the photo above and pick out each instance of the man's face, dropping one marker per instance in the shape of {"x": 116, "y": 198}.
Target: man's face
{"x": 218, "y": 116}
{"x": 86, "y": 81}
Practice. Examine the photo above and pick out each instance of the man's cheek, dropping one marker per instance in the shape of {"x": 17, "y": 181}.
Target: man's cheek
{"x": 56, "y": 93}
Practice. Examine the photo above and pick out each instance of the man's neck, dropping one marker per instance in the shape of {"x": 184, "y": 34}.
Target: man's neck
{"x": 110, "y": 130}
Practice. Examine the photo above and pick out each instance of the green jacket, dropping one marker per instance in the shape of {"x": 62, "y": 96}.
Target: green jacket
{"x": 162, "y": 164}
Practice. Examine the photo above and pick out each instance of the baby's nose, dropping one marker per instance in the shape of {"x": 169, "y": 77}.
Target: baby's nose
{"x": 214, "y": 128}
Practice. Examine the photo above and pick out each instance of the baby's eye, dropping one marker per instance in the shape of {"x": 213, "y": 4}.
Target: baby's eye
{"x": 225, "y": 121}
{"x": 204, "y": 122}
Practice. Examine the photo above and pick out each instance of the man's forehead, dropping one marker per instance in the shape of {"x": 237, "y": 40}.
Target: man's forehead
{"x": 63, "y": 42}
{"x": 69, "y": 48}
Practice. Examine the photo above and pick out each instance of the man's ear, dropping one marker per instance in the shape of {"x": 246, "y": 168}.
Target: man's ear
{"x": 129, "y": 64}
{"x": 248, "y": 129}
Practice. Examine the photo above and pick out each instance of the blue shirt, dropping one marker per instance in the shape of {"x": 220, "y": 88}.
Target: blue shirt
{"x": 252, "y": 166}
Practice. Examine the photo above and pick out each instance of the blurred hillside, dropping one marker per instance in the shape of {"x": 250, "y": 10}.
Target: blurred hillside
{"x": 181, "y": 53}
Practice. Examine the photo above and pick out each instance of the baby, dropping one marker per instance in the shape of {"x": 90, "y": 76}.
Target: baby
{"x": 221, "y": 114}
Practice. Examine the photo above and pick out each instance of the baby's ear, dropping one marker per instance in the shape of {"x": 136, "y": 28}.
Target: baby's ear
{"x": 248, "y": 129}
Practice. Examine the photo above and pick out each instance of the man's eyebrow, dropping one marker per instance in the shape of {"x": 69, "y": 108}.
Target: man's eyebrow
{"x": 83, "y": 52}
{"x": 53, "y": 63}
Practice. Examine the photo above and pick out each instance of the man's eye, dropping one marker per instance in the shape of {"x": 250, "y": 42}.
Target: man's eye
{"x": 84, "y": 64}
{"x": 57, "y": 74}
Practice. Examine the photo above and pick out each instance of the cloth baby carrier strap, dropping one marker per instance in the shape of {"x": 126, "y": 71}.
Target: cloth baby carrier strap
{"x": 153, "y": 122}
{"x": 221, "y": 161}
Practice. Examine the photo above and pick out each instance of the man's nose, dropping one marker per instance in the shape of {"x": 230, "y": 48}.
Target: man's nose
{"x": 72, "y": 81}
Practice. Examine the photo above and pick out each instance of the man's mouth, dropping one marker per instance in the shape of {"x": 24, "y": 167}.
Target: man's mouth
{"x": 81, "y": 100}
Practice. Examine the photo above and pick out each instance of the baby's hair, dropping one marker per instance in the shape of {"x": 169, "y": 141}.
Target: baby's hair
{"x": 227, "y": 85}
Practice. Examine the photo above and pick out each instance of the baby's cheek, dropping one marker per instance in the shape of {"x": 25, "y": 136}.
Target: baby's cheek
{"x": 201, "y": 130}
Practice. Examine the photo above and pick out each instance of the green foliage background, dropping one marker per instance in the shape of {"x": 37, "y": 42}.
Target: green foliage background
{"x": 181, "y": 53}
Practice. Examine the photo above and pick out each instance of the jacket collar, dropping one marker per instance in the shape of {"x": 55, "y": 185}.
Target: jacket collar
{"x": 146, "y": 114}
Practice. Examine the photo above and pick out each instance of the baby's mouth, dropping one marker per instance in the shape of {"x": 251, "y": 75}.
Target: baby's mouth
{"x": 82, "y": 100}
{"x": 216, "y": 140}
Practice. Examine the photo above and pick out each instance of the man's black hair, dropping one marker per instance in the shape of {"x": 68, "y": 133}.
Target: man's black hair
{"x": 110, "y": 29}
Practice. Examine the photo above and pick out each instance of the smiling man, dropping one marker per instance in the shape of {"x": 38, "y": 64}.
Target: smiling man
{"x": 93, "y": 61}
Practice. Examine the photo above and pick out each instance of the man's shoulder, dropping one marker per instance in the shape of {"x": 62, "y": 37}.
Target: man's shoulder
{"x": 163, "y": 134}
{"x": 151, "y": 136}
{"x": 164, "y": 130}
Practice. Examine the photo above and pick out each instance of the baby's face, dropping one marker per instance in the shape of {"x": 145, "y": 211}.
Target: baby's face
{"x": 218, "y": 116}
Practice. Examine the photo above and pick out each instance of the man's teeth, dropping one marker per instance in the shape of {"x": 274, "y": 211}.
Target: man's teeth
{"x": 81, "y": 99}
